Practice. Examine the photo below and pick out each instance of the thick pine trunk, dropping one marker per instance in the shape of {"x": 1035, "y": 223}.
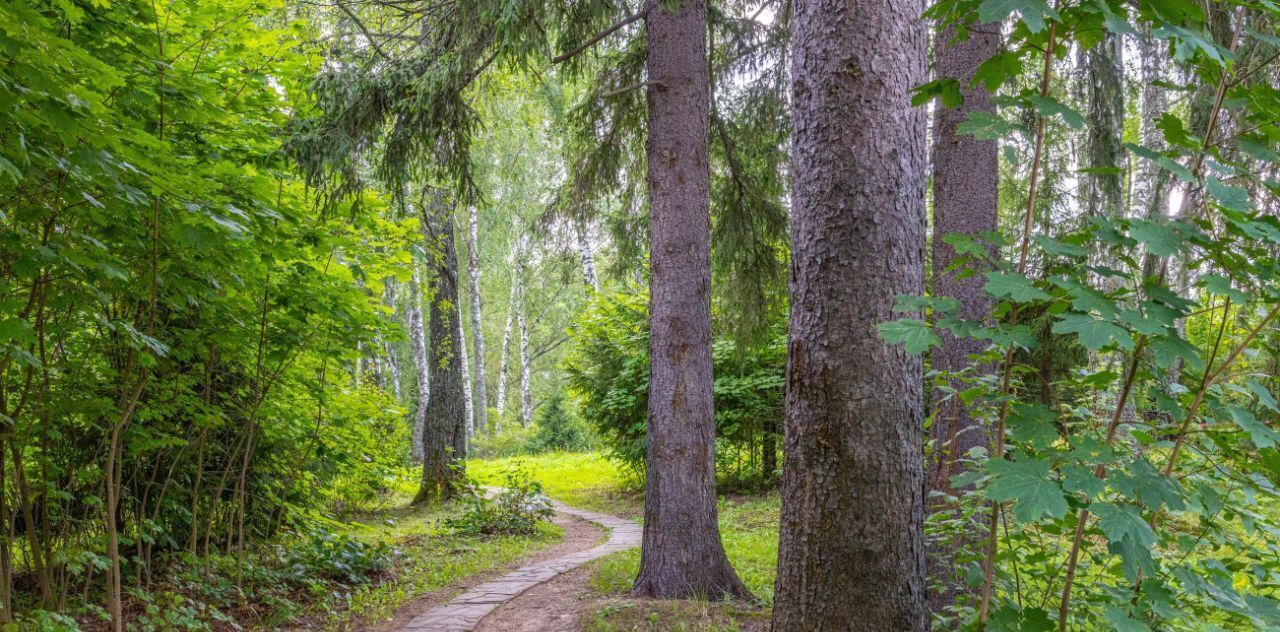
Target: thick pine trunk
{"x": 480, "y": 387}
{"x": 964, "y": 202}
{"x": 444, "y": 437}
{"x": 418, "y": 345}
{"x": 1103, "y": 191}
{"x": 681, "y": 554}
{"x": 851, "y": 550}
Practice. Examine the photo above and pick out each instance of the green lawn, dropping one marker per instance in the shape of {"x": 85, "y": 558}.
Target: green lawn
{"x": 748, "y": 526}
{"x": 432, "y": 560}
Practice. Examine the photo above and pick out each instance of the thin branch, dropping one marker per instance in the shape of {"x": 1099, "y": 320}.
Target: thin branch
{"x": 601, "y": 35}
{"x": 360, "y": 25}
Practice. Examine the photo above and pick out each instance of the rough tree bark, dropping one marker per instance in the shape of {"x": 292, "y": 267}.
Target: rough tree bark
{"x": 418, "y": 345}
{"x": 444, "y": 437}
{"x": 851, "y": 550}
{"x": 964, "y": 202}
{"x": 1103, "y": 191}
{"x": 681, "y": 554}
{"x": 480, "y": 387}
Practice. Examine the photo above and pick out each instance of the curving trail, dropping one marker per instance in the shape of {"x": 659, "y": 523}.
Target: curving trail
{"x": 465, "y": 611}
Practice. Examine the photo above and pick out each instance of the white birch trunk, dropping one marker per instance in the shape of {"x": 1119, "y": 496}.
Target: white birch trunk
{"x": 526, "y": 399}
{"x": 468, "y": 410}
{"x": 588, "y": 258}
{"x": 480, "y": 397}
{"x": 418, "y": 344}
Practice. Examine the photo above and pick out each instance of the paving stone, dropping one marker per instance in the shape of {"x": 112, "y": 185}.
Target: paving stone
{"x": 465, "y": 611}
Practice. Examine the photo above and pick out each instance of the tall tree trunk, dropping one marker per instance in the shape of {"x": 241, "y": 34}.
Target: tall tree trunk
{"x": 480, "y": 387}
{"x": 444, "y": 436}
{"x": 468, "y": 410}
{"x": 851, "y": 550}
{"x": 1103, "y": 191}
{"x": 517, "y": 284}
{"x": 526, "y": 389}
{"x": 585, "y": 253}
{"x": 964, "y": 202}
{"x": 418, "y": 345}
{"x": 681, "y": 554}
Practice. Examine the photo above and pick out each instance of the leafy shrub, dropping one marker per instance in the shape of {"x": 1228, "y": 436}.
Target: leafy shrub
{"x": 339, "y": 557}
{"x": 558, "y": 429}
{"x": 510, "y": 440}
{"x": 608, "y": 369}
{"x": 515, "y": 510}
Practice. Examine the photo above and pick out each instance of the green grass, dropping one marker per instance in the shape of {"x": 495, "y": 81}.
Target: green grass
{"x": 433, "y": 560}
{"x": 589, "y": 481}
{"x": 748, "y": 527}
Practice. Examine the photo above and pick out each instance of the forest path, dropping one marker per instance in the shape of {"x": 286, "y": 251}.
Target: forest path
{"x": 464, "y": 612}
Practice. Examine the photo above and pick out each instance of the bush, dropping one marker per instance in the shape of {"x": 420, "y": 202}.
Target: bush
{"x": 515, "y": 510}
{"x": 608, "y": 369}
{"x": 509, "y": 440}
{"x": 558, "y": 429}
{"x": 338, "y": 557}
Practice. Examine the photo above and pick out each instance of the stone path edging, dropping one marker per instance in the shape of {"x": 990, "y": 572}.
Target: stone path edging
{"x": 463, "y": 614}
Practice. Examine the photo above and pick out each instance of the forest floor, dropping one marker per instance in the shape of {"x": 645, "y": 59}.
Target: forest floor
{"x": 594, "y": 597}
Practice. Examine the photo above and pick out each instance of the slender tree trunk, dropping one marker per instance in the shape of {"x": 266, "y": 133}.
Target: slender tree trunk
{"x": 585, "y": 253}
{"x": 418, "y": 345}
{"x": 526, "y": 390}
{"x": 468, "y": 410}
{"x": 851, "y": 549}
{"x": 480, "y": 387}
{"x": 681, "y": 554}
{"x": 444, "y": 436}
{"x": 517, "y": 284}
{"x": 964, "y": 202}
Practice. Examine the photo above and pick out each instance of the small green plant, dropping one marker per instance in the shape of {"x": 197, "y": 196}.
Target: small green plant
{"x": 340, "y": 558}
{"x": 516, "y": 509}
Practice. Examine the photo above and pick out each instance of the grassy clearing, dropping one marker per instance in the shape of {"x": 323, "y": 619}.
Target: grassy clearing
{"x": 748, "y": 526}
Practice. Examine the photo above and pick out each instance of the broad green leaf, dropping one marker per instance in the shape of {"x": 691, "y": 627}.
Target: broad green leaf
{"x": 1013, "y": 286}
{"x": 1049, "y": 107}
{"x": 946, "y": 90}
{"x": 1261, "y": 434}
{"x": 1029, "y": 483}
{"x": 1118, "y": 522}
{"x": 1264, "y": 395}
{"x": 1230, "y": 197}
{"x": 1160, "y": 238}
{"x": 1032, "y": 424}
{"x": 1033, "y": 12}
{"x": 1219, "y": 284}
{"x": 986, "y": 126}
{"x": 1081, "y": 479}
{"x": 1093, "y": 333}
{"x": 1169, "y": 347}
{"x": 913, "y": 333}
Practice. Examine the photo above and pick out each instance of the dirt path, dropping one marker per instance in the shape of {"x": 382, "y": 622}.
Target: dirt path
{"x": 466, "y": 611}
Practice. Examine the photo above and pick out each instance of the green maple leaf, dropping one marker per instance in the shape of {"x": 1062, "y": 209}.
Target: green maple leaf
{"x": 1093, "y": 333}
{"x": 1014, "y": 286}
{"x": 1261, "y": 434}
{"x": 1028, "y": 482}
{"x": 913, "y": 333}
{"x": 1161, "y": 239}
{"x": 1118, "y": 522}
{"x": 1033, "y": 12}
{"x": 1234, "y": 198}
